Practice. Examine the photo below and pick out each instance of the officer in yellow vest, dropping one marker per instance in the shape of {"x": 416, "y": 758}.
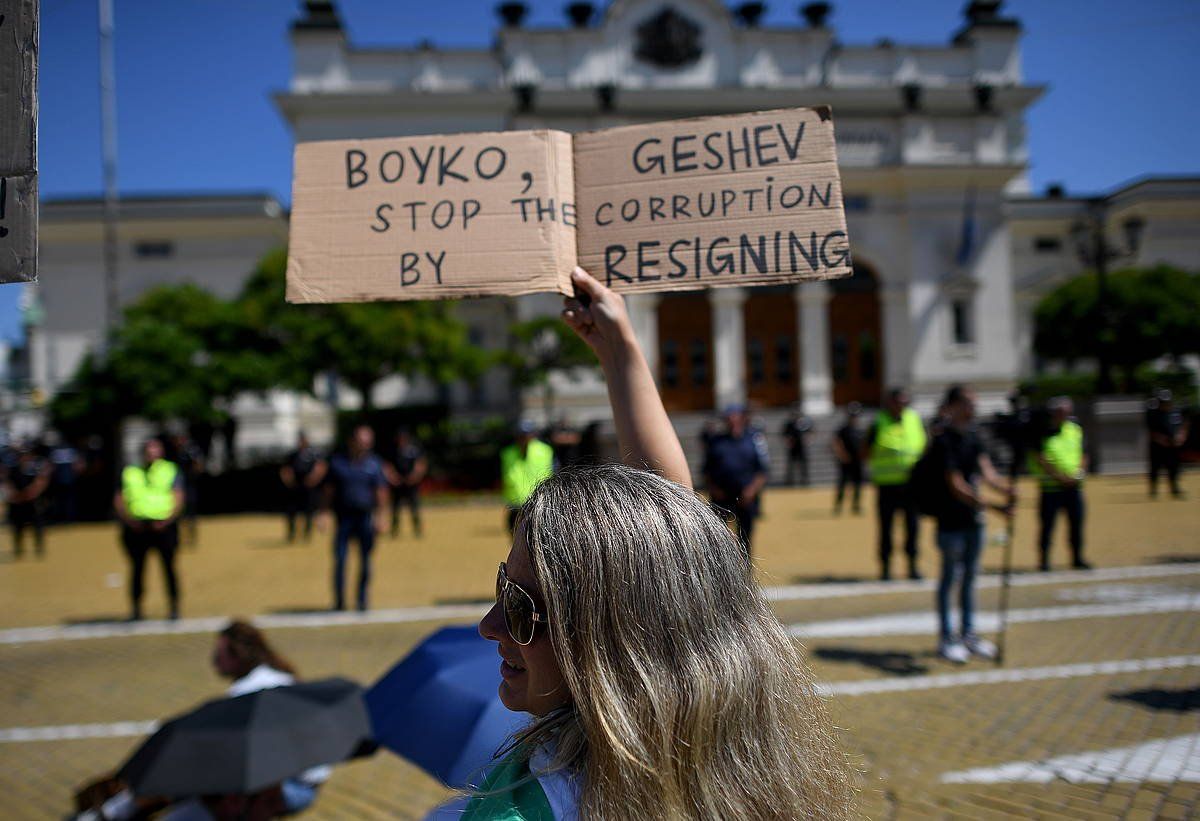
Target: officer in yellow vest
{"x": 148, "y": 506}
{"x": 1060, "y": 465}
{"x": 894, "y": 444}
{"x": 523, "y": 465}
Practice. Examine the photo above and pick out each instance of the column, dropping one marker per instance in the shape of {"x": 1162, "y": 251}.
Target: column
{"x": 812, "y": 321}
{"x": 643, "y": 314}
{"x": 729, "y": 346}
{"x": 897, "y": 345}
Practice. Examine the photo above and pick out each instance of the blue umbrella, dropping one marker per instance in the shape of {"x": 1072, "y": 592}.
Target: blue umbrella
{"x": 439, "y": 707}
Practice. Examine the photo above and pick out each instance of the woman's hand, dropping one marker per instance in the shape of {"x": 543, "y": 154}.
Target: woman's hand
{"x": 645, "y": 437}
{"x": 604, "y": 323}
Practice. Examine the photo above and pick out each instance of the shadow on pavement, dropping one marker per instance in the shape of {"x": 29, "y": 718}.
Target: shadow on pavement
{"x": 831, "y": 579}
{"x": 278, "y": 544}
{"x": 85, "y": 620}
{"x": 1177, "y": 701}
{"x": 896, "y": 663}
{"x": 456, "y": 600}
{"x": 1173, "y": 558}
{"x": 300, "y": 610}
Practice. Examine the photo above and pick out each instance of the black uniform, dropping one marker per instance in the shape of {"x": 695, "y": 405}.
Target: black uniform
{"x": 1164, "y": 458}
{"x": 404, "y": 460}
{"x": 795, "y": 432}
{"x": 301, "y": 499}
{"x": 850, "y": 472}
{"x": 730, "y": 464}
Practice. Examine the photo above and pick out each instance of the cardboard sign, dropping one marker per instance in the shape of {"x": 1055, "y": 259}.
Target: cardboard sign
{"x": 18, "y": 140}
{"x": 741, "y": 200}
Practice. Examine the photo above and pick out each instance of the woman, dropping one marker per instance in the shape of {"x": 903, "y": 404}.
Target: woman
{"x": 242, "y": 653}
{"x": 629, "y": 627}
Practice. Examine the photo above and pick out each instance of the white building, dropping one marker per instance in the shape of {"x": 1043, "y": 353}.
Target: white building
{"x": 951, "y": 248}
{"x": 925, "y": 135}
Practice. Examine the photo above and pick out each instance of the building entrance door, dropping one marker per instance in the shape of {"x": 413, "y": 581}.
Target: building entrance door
{"x": 769, "y": 315}
{"x": 685, "y": 357}
{"x": 855, "y": 333}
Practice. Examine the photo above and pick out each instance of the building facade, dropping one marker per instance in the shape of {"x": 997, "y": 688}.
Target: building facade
{"x": 930, "y": 141}
{"x": 951, "y": 249}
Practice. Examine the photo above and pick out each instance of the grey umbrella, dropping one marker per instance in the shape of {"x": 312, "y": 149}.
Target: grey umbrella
{"x": 242, "y": 745}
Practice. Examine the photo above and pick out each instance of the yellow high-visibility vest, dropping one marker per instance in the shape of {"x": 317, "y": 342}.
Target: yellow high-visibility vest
{"x": 150, "y": 492}
{"x": 898, "y": 446}
{"x": 519, "y": 476}
{"x": 1064, "y": 452}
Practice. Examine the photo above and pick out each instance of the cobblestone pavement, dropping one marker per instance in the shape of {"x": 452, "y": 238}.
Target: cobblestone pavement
{"x": 1095, "y": 713}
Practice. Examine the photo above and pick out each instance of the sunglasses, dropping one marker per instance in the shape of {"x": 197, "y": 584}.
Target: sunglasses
{"x": 520, "y": 613}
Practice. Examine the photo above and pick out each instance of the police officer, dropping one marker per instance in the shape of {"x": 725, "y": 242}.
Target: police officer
{"x": 894, "y": 443}
{"x": 301, "y": 473}
{"x": 523, "y": 464}
{"x": 26, "y": 491}
{"x": 1168, "y": 429}
{"x": 1060, "y": 464}
{"x": 148, "y": 505}
{"x": 735, "y": 471}
{"x": 796, "y": 432}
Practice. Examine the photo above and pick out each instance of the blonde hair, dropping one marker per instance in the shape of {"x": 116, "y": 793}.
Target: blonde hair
{"x": 689, "y": 700}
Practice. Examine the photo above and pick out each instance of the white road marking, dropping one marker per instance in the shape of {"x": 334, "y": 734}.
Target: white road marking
{"x": 1020, "y": 674}
{"x": 924, "y": 622}
{"x": 70, "y": 732}
{"x": 1167, "y": 760}
{"x": 28, "y": 635}
{"x": 122, "y": 729}
{"x": 833, "y": 590}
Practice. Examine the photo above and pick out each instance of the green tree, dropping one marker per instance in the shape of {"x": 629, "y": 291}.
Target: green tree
{"x": 542, "y": 346}
{"x": 361, "y": 342}
{"x": 1151, "y": 312}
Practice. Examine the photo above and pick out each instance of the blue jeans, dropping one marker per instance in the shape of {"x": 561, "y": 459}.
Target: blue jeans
{"x": 960, "y": 551}
{"x": 360, "y": 527}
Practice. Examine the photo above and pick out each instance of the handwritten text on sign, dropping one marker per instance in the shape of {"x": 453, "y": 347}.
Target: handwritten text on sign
{"x": 430, "y": 217}
{"x": 741, "y": 200}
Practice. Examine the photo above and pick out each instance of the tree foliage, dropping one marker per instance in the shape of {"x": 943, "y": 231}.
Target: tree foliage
{"x": 1150, "y": 313}
{"x": 542, "y": 346}
{"x": 182, "y": 353}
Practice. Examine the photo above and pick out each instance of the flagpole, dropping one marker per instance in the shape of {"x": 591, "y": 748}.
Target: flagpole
{"x": 108, "y": 138}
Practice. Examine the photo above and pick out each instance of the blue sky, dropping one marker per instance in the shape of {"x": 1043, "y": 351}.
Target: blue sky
{"x": 194, "y": 79}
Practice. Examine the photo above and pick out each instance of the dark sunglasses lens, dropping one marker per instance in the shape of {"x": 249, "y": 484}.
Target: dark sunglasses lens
{"x": 518, "y": 614}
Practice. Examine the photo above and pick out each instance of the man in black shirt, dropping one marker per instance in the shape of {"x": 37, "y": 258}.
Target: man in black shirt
{"x": 796, "y": 432}
{"x": 302, "y": 471}
{"x": 27, "y": 483}
{"x": 1168, "y": 431}
{"x": 847, "y": 446}
{"x": 410, "y": 466}
{"x": 960, "y": 527}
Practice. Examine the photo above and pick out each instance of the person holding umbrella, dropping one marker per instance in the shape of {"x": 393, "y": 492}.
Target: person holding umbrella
{"x": 628, "y": 624}
{"x": 242, "y": 654}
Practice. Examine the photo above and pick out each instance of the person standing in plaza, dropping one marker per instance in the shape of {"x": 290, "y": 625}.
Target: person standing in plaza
{"x": 847, "y": 445}
{"x": 25, "y": 489}
{"x": 409, "y": 466}
{"x": 1060, "y": 464}
{"x": 523, "y": 465}
{"x": 356, "y": 487}
{"x": 735, "y": 472}
{"x": 148, "y": 505}
{"x": 66, "y": 467}
{"x": 894, "y": 443}
{"x": 1168, "y": 429}
{"x": 964, "y": 464}
{"x": 301, "y": 474}
{"x": 796, "y": 432}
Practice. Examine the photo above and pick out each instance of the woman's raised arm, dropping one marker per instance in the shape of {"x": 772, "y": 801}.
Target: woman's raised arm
{"x": 645, "y": 435}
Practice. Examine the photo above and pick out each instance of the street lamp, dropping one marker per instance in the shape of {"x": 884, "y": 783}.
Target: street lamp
{"x": 1093, "y": 250}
